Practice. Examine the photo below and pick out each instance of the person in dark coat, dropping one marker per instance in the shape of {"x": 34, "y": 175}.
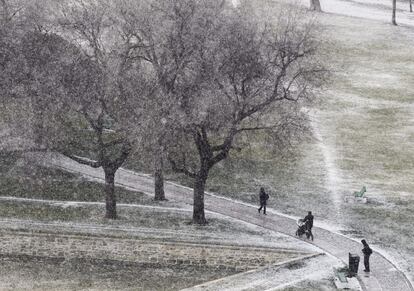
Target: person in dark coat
{"x": 308, "y": 220}
{"x": 263, "y": 196}
{"x": 367, "y": 251}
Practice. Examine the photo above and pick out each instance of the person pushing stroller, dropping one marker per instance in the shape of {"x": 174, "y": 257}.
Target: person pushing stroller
{"x": 305, "y": 226}
{"x": 308, "y": 220}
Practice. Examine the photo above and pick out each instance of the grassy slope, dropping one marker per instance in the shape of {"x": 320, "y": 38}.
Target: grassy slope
{"x": 19, "y": 178}
{"x": 365, "y": 124}
{"x": 364, "y": 134}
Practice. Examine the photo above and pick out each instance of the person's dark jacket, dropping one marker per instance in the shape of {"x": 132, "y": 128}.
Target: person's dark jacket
{"x": 308, "y": 220}
{"x": 367, "y": 251}
{"x": 263, "y": 197}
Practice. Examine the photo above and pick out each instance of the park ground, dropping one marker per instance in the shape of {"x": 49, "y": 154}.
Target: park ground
{"x": 363, "y": 134}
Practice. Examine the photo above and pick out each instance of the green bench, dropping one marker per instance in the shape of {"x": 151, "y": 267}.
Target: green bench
{"x": 359, "y": 194}
{"x": 341, "y": 275}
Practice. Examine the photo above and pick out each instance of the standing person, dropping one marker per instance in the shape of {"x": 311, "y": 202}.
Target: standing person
{"x": 308, "y": 220}
{"x": 263, "y": 196}
{"x": 367, "y": 251}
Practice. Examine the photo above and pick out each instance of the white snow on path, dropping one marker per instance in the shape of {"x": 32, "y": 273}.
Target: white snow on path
{"x": 334, "y": 180}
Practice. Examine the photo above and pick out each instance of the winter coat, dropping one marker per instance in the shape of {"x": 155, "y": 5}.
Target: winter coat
{"x": 263, "y": 197}
{"x": 367, "y": 251}
{"x": 309, "y": 220}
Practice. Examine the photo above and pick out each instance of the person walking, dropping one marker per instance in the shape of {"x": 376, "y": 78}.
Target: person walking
{"x": 367, "y": 251}
{"x": 263, "y": 196}
{"x": 308, "y": 220}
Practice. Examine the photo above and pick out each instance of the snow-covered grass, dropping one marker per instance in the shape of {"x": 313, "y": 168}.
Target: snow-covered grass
{"x": 365, "y": 126}
{"x": 22, "y": 178}
{"x": 147, "y": 217}
{"x": 57, "y": 274}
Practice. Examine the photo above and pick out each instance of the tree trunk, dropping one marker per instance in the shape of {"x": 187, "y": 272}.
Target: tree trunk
{"x": 159, "y": 178}
{"x": 110, "y": 194}
{"x": 394, "y": 8}
{"x": 198, "y": 207}
{"x": 411, "y": 6}
{"x": 315, "y": 5}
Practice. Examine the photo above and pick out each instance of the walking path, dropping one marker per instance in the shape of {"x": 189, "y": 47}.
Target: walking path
{"x": 384, "y": 274}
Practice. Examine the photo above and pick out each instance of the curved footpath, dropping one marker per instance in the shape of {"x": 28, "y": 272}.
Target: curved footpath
{"x": 384, "y": 274}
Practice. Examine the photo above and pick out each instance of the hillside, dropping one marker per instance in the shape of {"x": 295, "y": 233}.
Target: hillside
{"x": 362, "y": 133}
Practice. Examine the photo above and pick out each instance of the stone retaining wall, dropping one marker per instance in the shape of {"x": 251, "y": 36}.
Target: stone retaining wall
{"x": 139, "y": 251}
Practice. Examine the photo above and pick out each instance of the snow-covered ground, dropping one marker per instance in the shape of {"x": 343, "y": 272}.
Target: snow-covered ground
{"x": 363, "y": 129}
{"x": 274, "y": 277}
{"x": 384, "y": 275}
{"x": 236, "y": 232}
{"x": 379, "y": 10}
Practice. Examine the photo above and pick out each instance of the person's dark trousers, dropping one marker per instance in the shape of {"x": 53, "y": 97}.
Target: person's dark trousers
{"x": 263, "y": 205}
{"x": 366, "y": 263}
{"x": 309, "y": 233}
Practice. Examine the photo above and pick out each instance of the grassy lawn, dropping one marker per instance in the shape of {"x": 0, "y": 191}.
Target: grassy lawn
{"x": 19, "y": 178}
{"x": 387, "y": 225}
{"x": 147, "y": 217}
{"x": 55, "y": 274}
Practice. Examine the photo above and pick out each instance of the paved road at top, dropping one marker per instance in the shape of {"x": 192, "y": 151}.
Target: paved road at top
{"x": 384, "y": 274}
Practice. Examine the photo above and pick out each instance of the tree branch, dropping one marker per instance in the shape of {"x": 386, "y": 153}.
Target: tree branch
{"x": 82, "y": 160}
{"x": 126, "y": 150}
{"x": 255, "y": 128}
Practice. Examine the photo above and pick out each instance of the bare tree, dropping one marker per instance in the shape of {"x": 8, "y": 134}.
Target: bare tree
{"x": 143, "y": 22}
{"x": 70, "y": 87}
{"x": 226, "y": 75}
{"x": 80, "y": 75}
{"x": 99, "y": 137}
{"x": 15, "y": 22}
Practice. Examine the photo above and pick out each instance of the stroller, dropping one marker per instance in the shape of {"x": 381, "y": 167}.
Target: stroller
{"x": 303, "y": 230}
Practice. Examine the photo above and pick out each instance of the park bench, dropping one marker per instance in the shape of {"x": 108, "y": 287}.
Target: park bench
{"x": 341, "y": 274}
{"x": 342, "y": 282}
{"x": 360, "y": 194}
{"x": 357, "y": 197}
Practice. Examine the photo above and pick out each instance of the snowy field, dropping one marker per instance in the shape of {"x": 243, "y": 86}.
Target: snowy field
{"x": 363, "y": 132}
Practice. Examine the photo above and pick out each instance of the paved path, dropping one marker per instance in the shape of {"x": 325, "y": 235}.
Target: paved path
{"x": 384, "y": 274}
